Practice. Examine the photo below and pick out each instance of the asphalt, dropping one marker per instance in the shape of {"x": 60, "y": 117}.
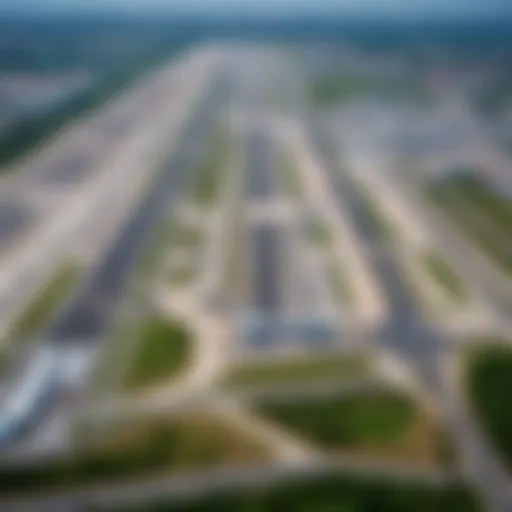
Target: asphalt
{"x": 92, "y": 309}
{"x": 265, "y": 249}
{"x": 15, "y": 218}
{"x": 416, "y": 342}
{"x": 260, "y": 175}
{"x": 70, "y": 169}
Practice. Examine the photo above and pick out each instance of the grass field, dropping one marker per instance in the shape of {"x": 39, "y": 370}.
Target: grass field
{"x": 444, "y": 274}
{"x": 496, "y": 211}
{"x": 185, "y": 236}
{"x": 164, "y": 349}
{"x": 139, "y": 450}
{"x": 330, "y": 493}
{"x": 328, "y": 90}
{"x": 45, "y": 305}
{"x": 289, "y": 178}
{"x": 207, "y": 186}
{"x": 298, "y": 371}
{"x": 374, "y": 423}
{"x": 318, "y": 232}
{"x": 489, "y": 381}
{"x": 183, "y": 274}
{"x": 376, "y": 219}
{"x": 340, "y": 284}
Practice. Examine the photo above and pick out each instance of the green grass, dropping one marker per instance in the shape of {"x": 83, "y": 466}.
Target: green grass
{"x": 497, "y": 212}
{"x": 489, "y": 381}
{"x": 164, "y": 349}
{"x": 297, "y": 371}
{"x": 329, "y": 90}
{"x": 186, "y": 236}
{"x": 182, "y": 275}
{"x": 45, "y": 305}
{"x": 150, "y": 447}
{"x": 328, "y": 493}
{"x": 375, "y": 218}
{"x": 318, "y": 232}
{"x": 339, "y": 281}
{"x": 444, "y": 274}
{"x": 346, "y": 421}
{"x": 168, "y": 234}
{"x": 289, "y": 175}
{"x": 206, "y": 188}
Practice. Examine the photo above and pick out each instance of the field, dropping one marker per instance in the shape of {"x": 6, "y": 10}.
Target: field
{"x": 163, "y": 351}
{"x": 46, "y": 303}
{"x": 444, "y": 274}
{"x": 373, "y": 423}
{"x": 297, "y": 371}
{"x": 318, "y": 232}
{"x": 339, "y": 281}
{"x": 207, "y": 186}
{"x": 331, "y": 493}
{"x": 138, "y": 450}
{"x": 482, "y": 215}
{"x": 489, "y": 380}
{"x": 289, "y": 178}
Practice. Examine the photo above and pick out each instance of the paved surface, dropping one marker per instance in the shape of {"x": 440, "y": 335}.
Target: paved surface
{"x": 419, "y": 344}
{"x": 70, "y": 169}
{"x": 266, "y": 273}
{"x": 260, "y": 170}
{"x": 15, "y": 217}
{"x": 93, "y": 308}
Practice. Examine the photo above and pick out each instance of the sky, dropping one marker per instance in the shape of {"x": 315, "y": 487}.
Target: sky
{"x": 387, "y": 8}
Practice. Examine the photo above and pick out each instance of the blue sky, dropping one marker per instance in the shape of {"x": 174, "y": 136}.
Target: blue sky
{"x": 394, "y": 8}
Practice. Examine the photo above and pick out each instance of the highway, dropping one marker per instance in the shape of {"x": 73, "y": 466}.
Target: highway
{"x": 84, "y": 321}
{"x": 416, "y": 342}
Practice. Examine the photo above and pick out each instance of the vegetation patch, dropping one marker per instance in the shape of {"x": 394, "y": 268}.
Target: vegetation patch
{"x": 376, "y": 423}
{"x": 139, "y": 450}
{"x": 318, "y": 232}
{"x": 164, "y": 349}
{"x": 208, "y": 184}
{"x": 289, "y": 176}
{"x": 489, "y": 381}
{"x": 375, "y": 219}
{"x": 330, "y": 493}
{"x": 343, "y": 367}
{"x": 340, "y": 284}
{"x": 444, "y": 274}
{"x": 45, "y": 305}
{"x": 335, "y": 88}
{"x": 456, "y": 195}
{"x": 186, "y": 236}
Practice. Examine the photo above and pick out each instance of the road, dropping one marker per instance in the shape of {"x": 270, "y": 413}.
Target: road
{"x": 83, "y": 323}
{"x": 416, "y": 342}
{"x": 265, "y": 249}
{"x": 92, "y": 308}
{"x": 259, "y": 164}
